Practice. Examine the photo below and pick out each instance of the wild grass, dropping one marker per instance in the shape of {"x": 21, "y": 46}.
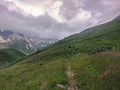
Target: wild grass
{"x": 93, "y": 55}
{"x": 39, "y": 75}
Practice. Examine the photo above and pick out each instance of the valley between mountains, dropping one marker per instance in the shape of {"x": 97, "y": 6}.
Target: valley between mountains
{"x": 89, "y": 60}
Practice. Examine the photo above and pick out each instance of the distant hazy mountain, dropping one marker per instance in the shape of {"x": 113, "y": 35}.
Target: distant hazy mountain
{"x": 9, "y": 39}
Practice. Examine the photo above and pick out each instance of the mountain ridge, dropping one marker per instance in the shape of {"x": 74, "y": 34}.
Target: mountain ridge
{"x": 60, "y": 48}
{"x": 10, "y": 39}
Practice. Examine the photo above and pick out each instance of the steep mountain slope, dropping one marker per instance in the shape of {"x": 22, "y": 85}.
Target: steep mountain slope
{"x": 98, "y": 30}
{"x": 96, "y": 39}
{"x": 9, "y": 55}
{"x": 86, "y": 61}
{"x": 9, "y": 39}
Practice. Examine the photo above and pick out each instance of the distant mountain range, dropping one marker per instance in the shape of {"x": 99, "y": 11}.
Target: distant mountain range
{"x": 10, "y": 39}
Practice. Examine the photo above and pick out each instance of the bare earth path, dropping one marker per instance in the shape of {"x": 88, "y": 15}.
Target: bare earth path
{"x": 71, "y": 82}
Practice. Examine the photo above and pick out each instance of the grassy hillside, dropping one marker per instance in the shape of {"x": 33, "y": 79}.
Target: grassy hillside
{"x": 86, "y": 61}
{"x": 99, "y": 71}
{"x": 97, "y": 39}
{"x": 9, "y": 55}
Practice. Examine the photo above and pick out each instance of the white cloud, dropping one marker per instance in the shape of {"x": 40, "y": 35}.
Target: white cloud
{"x": 83, "y": 15}
{"x": 55, "y": 18}
{"x": 28, "y": 9}
{"x": 41, "y": 9}
{"x": 54, "y": 10}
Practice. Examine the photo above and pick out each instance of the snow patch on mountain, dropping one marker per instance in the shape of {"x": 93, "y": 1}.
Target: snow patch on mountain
{"x": 23, "y": 43}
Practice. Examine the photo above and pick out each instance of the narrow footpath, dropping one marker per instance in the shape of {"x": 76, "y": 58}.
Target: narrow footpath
{"x": 71, "y": 82}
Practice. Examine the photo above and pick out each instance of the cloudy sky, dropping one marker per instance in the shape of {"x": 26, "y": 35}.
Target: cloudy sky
{"x": 55, "y": 18}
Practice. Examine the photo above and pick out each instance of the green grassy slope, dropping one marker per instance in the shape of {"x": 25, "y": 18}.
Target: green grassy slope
{"x": 96, "y": 39}
{"x": 98, "y": 30}
{"x": 99, "y": 71}
{"x": 9, "y": 55}
{"x": 86, "y": 61}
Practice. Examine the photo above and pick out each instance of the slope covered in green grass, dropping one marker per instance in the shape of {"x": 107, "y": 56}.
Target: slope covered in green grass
{"x": 9, "y": 55}
{"x": 96, "y": 39}
{"x": 99, "y": 71}
{"x": 86, "y": 61}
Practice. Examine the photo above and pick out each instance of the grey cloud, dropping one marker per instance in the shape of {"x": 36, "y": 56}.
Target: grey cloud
{"x": 70, "y": 8}
{"x": 42, "y": 21}
{"x": 97, "y": 6}
{"x": 43, "y": 26}
{"x": 17, "y": 13}
{"x": 46, "y": 26}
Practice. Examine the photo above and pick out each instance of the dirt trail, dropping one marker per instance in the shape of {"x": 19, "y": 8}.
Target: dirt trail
{"x": 71, "y": 82}
{"x": 108, "y": 69}
{"x": 111, "y": 53}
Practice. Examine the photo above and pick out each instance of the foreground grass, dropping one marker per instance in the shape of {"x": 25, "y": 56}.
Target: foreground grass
{"x": 99, "y": 71}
